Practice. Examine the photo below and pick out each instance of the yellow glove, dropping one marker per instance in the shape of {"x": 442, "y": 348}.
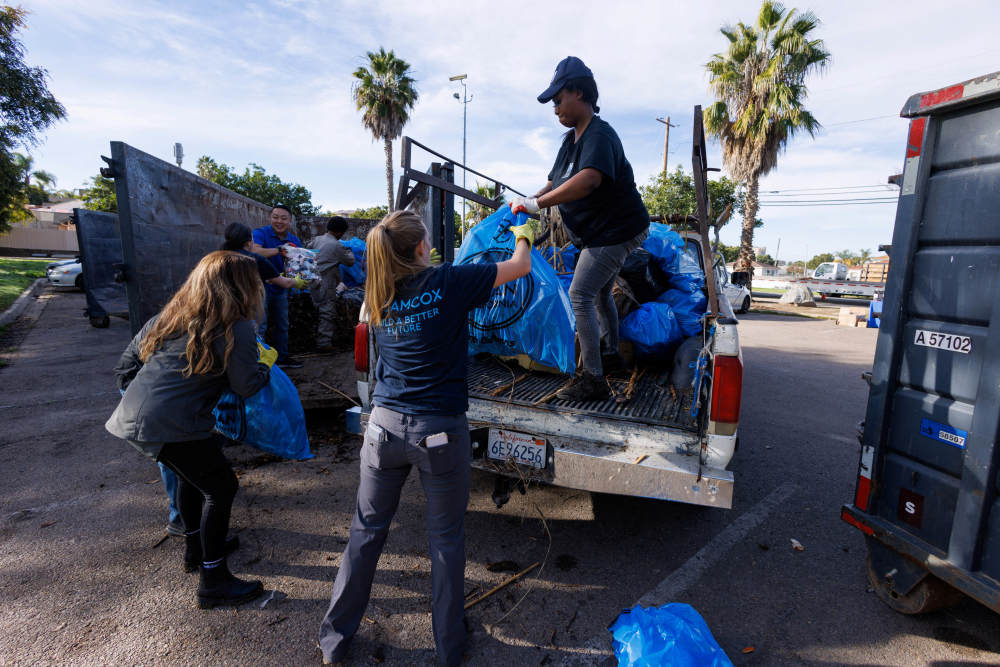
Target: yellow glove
{"x": 300, "y": 283}
{"x": 266, "y": 355}
{"x": 435, "y": 256}
{"x": 528, "y": 231}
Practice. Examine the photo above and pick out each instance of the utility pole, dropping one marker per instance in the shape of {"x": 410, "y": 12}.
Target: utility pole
{"x": 776, "y": 251}
{"x": 464, "y": 99}
{"x": 666, "y": 140}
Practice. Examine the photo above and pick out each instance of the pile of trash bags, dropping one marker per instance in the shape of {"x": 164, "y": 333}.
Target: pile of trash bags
{"x": 668, "y": 293}
{"x": 531, "y": 315}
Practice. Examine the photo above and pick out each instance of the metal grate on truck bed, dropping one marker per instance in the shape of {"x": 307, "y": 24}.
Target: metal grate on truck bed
{"x": 651, "y": 402}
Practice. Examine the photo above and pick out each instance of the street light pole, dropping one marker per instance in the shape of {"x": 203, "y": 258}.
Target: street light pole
{"x": 464, "y": 99}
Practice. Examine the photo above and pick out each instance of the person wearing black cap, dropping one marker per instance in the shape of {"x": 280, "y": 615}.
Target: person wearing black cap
{"x": 593, "y": 185}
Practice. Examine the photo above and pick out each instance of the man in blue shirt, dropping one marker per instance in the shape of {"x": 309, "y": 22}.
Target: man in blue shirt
{"x": 267, "y": 242}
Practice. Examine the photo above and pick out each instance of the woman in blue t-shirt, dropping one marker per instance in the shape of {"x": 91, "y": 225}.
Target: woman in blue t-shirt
{"x": 418, "y": 315}
{"x": 593, "y": 185}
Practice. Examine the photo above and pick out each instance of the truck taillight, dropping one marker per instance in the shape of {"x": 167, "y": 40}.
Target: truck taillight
{"x": 361, "y": 347}
{"x": 727, "y": 389}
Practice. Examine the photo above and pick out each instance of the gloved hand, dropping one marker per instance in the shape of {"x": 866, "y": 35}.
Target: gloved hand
{"x": 435, "y": 256}
{"x": 300, "y": 282}
{"x": 528, "y": 231}
{"x": 266, "y": 355}
{"x": 341, "y": 287}
{"x": 524, "y": 205}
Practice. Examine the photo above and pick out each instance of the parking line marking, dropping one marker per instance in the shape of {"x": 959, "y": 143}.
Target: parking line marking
{"x": 598, "y": 648}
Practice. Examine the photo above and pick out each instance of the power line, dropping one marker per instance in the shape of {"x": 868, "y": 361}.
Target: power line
{"x": 829, "y": 187}
{"x": 826, "y": 201}
{"x": 832, "y": 193}
{"x": 846, "y": 203}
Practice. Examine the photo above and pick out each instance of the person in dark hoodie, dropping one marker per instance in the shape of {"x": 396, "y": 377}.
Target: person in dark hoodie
{"x": 593, "y": 185}
{"x": 172, "y": 374}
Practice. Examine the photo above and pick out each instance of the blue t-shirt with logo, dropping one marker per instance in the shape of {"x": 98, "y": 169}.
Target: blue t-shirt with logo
{"x": 423, "y": 341}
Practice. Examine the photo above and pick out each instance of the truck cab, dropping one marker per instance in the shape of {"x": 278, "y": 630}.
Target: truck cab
{"x": 830, "y": 271}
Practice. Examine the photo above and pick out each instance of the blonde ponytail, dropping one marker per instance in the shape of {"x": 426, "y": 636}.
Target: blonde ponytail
{"x": 392, "y": 254}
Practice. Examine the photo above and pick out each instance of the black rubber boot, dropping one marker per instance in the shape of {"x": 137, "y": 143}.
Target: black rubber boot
{"x": 192, "y": 551}
{"x": 218, "y": 587}
{"x": 585, "y": 387}
{"x": 612, "y": 363}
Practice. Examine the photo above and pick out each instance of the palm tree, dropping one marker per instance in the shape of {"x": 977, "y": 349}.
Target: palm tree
{"x": 864, "y": 255}
{"x": 759, "y": 83}
{"x": 477, "y": 211}
{"x": 385, "y": 94}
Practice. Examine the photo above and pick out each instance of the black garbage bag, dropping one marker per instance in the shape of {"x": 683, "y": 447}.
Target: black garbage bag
{"x": 646, "y": 278}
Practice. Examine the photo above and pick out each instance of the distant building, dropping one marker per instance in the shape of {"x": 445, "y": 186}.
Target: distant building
{"x": 54, "y": 215}
{"x": 759, "y": 270}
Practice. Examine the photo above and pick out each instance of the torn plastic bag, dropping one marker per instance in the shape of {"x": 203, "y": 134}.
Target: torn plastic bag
{"x": 688, "y": 308}
{"x": 654, "y": 330}
{"x": 531, "y": 315}
{"x": 354, "y": 276}
{"x": 665, "y": 245}
{"x": 674, "y": 634}
{"x": 271, "y": 420}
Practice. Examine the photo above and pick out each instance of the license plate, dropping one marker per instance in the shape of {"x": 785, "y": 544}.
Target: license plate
{"x": 521, "y": 447}
{"x": 943, "y": 341}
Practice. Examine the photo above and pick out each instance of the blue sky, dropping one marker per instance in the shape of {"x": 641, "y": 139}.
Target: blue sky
{"x": 269, "y": 82}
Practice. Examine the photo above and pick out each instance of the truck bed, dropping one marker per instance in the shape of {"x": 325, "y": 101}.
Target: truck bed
{"x": 651, "y": 402}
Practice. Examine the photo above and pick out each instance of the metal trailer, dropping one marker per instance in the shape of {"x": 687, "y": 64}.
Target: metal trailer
{"x": 825, "y": 287}
{"x": 928, "y": 491}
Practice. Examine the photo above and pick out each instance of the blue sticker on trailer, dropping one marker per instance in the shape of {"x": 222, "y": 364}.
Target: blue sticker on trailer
{"x": 949, "y": 435}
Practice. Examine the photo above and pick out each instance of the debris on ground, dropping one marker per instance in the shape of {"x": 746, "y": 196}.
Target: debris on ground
{"x": 797, "y": 545}
{"x": 798, "y": 295}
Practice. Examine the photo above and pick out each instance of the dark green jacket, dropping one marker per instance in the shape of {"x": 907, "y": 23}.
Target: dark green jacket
{"x": 161, "y": 405}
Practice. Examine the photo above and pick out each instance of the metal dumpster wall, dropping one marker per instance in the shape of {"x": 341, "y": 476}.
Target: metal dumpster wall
{"x": 170, "y": 219}
{"x": 100, "y": 242}
{"x": 934, "y": 409}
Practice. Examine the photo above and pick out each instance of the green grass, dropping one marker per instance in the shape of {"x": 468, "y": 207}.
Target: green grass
{"x": 18, "y": 274}
{"x": 769, "y": 290}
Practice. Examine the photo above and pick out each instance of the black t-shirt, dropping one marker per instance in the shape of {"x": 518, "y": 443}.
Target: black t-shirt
{"x": 423, "y": 342}
{"x": 614, "y": 212}
{"x": 264, "y": 267}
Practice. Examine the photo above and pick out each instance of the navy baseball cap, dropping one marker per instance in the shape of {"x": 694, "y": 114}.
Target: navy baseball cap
{"x": 568, "y": 68}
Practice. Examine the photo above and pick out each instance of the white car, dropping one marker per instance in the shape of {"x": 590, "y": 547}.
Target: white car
{"x": 65, "y": 274}
{"x": 737, "y": 293}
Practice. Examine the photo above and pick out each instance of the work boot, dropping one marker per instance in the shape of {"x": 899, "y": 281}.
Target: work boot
{"x": 289, "y": 362}
{"x": 585, "y": 387}
{"x": 175, "y": 529}
{"x": 218, "y": 586}
{"x": 192, "y": 550}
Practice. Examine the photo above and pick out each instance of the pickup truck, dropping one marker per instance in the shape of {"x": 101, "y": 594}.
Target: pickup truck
{"x": 655, "y": 445}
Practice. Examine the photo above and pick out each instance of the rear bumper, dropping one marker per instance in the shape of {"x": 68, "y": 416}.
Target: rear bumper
{"x": 974, "y": 584}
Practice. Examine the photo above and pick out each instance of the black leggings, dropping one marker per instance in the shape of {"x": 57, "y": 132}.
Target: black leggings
{"x": 206, "y": 486}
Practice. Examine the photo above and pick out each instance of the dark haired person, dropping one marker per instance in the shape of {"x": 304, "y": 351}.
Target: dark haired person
{"x": 593, "y": 185}
{"x": 331, "y": 253}
{"x": 268, "y": 241}
{"x": 239, "y": 238}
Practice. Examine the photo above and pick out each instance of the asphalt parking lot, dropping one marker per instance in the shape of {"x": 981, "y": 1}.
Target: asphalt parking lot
{"x": 86, "y": 579}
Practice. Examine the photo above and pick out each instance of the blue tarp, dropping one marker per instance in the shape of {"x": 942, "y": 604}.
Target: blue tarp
{"x": 354, "y": 276}
{"x": 531, "y": 315}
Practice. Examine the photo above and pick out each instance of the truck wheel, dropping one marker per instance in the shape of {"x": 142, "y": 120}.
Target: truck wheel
{"x": 79, "y": 282}
{"x": 745, "y": 306}
{"x": 929, "y": 595}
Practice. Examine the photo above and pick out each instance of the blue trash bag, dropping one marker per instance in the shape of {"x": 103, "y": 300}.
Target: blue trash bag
{"x": 666, "y": 246}
{"x": 354, "y": 276}
{"x": 688, "y": 308}
{"x": 688, "y": 276}
{"x": 567, "y": 256}
{"x": 531, "y": 315}
{"x": 653, "y": 329}
{"x": 674, "y": 634}
{"x": 271, "y": 420}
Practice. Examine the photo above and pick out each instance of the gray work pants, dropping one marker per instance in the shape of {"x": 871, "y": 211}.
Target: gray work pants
{"x": 444, "y": 473}
{"x": 593, "y": 305}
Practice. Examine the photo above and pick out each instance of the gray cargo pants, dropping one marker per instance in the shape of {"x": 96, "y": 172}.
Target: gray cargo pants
{"x": 394, "y": 443}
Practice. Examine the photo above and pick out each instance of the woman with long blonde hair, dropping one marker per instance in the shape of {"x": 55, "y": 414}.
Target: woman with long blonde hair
{"x": 172, "y": 375}
{"x": 418, "y": 314}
